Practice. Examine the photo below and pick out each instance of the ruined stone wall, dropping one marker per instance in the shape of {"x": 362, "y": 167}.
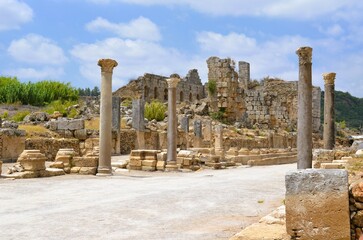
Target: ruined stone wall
{"x": 151, "y": 86}
{"x": 274, "y": 105}
{"x": 271, "y": 104}
{"x": 12, "y": 144}
{"x": 227, "y": 98}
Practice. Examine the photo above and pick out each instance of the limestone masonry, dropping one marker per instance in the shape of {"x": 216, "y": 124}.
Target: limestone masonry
{"x": 269, "y": 104}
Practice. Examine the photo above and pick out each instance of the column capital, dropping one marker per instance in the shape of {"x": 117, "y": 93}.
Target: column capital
{"x": 329, "y": 78}
{"x": 173, "y": 80}
{"x": 107, "y": 65}
{"x": 304, "y": 54}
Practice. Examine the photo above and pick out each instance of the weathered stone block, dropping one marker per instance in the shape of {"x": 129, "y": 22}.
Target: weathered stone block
{"x": 74, "y": 124}
{"x": 149, "y": 163}
{"x": 85, "y": 161}
{"x": 80, "y": 134}
{"x": 160, "y": 165}
{"x": 75, "y": 170}
{"x": 317, "y": 204}
{"x": 148, "y": 168}
{"x": 135, "y": 163}
{"x": 88, "y": 170}
{"x": 162, "y": 156}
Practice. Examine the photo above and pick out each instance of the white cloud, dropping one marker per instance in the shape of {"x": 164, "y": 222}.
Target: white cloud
{"x": 135, "y": 57}
{"x": 36, "y": 74}
{"x": 140, "y": 28}
{"x": 294, "y": 9}
{"x": 333, "y": 30}
{"x": 35, "y": 49}
{"x": 13, "y": 13}
{"x": 271, "y": 57}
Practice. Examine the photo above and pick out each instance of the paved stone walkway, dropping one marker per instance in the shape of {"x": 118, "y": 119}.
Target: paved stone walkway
{"x": 208, "y": 204}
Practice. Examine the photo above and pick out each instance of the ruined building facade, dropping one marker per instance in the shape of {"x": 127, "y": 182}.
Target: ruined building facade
{"x": 151, "y": 86}
{"x": 269, "y": 104}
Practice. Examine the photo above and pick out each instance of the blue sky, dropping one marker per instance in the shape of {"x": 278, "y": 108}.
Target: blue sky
{"x": 63, "y": 39}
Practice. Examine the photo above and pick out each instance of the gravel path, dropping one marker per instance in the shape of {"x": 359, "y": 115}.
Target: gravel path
{"x": 208, "y": 204}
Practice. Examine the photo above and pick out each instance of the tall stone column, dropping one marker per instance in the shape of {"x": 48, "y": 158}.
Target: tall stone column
{"x": 172, "y": 119}
{"x": 104, "y": 163}
{"x": 304, "y": 117}
{"x": 329, "y": 113}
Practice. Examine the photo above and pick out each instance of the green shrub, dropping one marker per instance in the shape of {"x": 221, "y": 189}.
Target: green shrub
{"x": 72, "y": 113}
{"x": 61, "y": 107}
{"x": 19, "y": 116}
{"x": 127, "y": 102}
{"x": 212, "y": 87}
{"x": 5, "y": 115}
{"x": 37, "y": 94}
{"x": 155, "y": 110}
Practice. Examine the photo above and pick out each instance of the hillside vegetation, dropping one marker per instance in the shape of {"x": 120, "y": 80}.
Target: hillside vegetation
{"x": 347, "y": 108}
{"x": 36, "y": 94}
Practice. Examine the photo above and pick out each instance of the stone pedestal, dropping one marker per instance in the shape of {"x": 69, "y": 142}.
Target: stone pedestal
{"x": 104, "y": 164}
{"x": 32, "y": 160}
{"x": 304, "y": 121}
{"x": 172, "y": 121}
{"x": 329, "y": 112}
{"x": 317, "y": 204}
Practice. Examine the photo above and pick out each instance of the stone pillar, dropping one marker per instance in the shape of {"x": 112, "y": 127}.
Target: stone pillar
{"x": 198, "y": 137}
{"x": 185, "y": 127}
{"x": 304, "y": 118}
{"x": 138, "y": 121}
{"x": 172, "y": 120}
{"x": 329, "y": 113}
{"x": 218, "y": 141}
{"x": 116, "y": 101}
{"x": 104, "y": 164}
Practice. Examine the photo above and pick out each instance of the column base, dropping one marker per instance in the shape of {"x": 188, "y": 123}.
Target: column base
{"x": 171, "y": 166}
{"x": 104, "y": 172}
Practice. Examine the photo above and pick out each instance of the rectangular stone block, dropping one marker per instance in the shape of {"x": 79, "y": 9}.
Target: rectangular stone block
{"x": 317, "y": 204}
{"x": 70, "y": 124}
{"x": 149, "y": 163}
{"x": 135, "y": 162}
{"x": 160, "y": 165}
{"x": 85, "y": 162}
{"x": 162, "y": 156}
{"x": 148, "y": 168}
{"x": 179, "y": 160}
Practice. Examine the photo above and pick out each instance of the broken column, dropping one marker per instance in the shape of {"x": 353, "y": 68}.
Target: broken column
{"x": 304, "y": 121}
{"x": 198, "y": 138}
{"x": 172, "y": 122}
{"x": 104, "y": 164}
{"x": 218, "y": 141}
{"x": 138, "y": 122}
{"x": 329, "y": 113}
{"x": 317, "y": 204}
{"x": 185, "y": 127}
{"x": 116, "y": 101}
